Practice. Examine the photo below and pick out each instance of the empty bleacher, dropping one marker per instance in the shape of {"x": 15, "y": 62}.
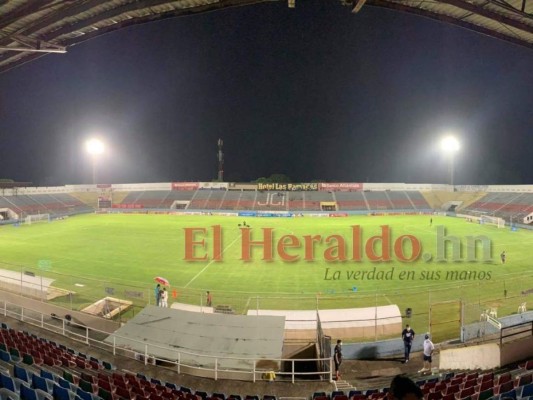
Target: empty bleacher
{"x": 509, "y": 206}
{"x": 54, "y": 204}
{"x": 200, "y": 199}
{"x": 351, "y": 201}
{"x": 272, "y": 201}
{"x": 32, "y": 367}
{"x": 216, "y": 199}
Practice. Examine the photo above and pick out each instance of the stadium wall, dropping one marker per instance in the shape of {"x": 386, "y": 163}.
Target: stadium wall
{"x": 251, "y": 186}
{"x": 485, "y": 356}
{"x": 379, "y": 349}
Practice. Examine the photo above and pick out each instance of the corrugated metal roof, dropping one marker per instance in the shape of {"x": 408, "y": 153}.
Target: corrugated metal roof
{"x": 57, "y": 24}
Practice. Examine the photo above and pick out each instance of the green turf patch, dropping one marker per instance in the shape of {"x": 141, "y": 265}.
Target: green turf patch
{"x": 119, "y": 255}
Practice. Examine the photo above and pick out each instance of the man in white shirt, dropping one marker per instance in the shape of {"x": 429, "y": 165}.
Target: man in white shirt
{"x": 429, "y": 348}
{"x": 164, "y": 298}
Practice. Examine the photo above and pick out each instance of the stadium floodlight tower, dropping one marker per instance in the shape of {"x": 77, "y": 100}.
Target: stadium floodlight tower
{"x": 450, "y": 145}
{"x": 95, "y": 148}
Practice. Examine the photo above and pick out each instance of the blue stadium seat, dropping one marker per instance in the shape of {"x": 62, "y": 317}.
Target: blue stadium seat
{"x": 83, "y": 394}
{"x": 61, "y": 393}
{"x": 22, "y": 373}
{"x": 27, "y": 393}
{"x": 42, "y": 384}
{"x": 66, "y": 384}
{"x": 10, "y": 383}
{"x": 47, "y": 375}
{"x": 5, "y": 356}
{"x": 527, "y": 391}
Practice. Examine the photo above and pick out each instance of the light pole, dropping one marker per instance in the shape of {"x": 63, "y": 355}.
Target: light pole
{"x": 450, "y": 145}
{"x": 95, "y": 148}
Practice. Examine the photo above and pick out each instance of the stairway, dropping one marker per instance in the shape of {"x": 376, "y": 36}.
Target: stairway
{"x": 343, "y": 385}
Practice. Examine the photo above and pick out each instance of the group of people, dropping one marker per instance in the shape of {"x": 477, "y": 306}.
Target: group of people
{"x": 408, "y": 337}
{"x": 161, "y": 296}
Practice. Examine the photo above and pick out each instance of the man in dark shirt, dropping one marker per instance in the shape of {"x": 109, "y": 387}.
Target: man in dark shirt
{"x": 408, "y": 335}
{"x": 337, "y": 358}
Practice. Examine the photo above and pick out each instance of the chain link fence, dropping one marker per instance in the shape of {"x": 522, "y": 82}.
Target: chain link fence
{"x": 440, "y": 310}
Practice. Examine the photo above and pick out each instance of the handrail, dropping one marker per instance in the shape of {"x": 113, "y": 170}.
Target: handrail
{"x": 84, "y": 336}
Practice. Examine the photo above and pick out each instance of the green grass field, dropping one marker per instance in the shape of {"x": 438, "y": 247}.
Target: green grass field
{"x": 119, "y": 255}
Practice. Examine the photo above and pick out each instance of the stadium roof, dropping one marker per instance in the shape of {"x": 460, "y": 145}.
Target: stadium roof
{"x": 45, "y": 26}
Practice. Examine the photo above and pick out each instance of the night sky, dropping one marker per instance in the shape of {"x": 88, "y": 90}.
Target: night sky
{"x": 314, "y": 92}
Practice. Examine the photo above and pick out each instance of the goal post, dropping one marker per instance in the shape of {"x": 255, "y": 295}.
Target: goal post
{"x": 489, "y": 220}
{"x": 35, "y": 218}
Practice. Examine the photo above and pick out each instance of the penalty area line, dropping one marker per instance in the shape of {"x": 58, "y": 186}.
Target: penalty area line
{"x": 209, "y": 263}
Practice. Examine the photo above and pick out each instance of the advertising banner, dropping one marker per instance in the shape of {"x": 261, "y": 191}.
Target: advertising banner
{"x": 213, "y": 185}
{"x": 242, "y": 186}
{"x": 288, "y": 186}
{"x": 185, "y": 185}
{"x": 340, "y": 186}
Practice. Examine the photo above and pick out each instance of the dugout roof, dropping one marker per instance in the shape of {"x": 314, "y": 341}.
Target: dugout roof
{"x": 45, "y": 26}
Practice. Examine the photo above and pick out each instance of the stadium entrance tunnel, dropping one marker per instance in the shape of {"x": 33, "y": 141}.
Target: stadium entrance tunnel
{"x": 303, "y": 369}
{"x": 108, "y": 307}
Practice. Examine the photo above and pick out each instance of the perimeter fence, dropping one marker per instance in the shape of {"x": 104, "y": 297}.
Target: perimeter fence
{"x": 439, "y": 309}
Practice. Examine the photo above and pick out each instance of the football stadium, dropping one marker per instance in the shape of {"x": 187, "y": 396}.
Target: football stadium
{"x": 260, "y": 289}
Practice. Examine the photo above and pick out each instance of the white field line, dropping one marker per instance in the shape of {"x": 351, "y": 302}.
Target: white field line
{"x": 210, "y": 262}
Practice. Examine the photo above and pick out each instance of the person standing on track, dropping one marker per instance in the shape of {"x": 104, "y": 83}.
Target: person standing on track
{"x": 408, "y": 335}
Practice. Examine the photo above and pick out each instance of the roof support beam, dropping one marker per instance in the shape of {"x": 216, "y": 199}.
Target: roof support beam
{"x": 450, "y": 20}
{"x": 21, "y": 12}
{"x": 489, "y": 14}
{"x": 30, "y": 50}
{"x": 358, "y": 5}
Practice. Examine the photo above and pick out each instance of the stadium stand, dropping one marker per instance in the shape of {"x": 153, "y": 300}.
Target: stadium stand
{"x": 437, "y": 198}
{"x": 216, "y": 199}
{"x": 509, "y": 206}
{"x": 378, "y": 201}
{"x": 351, "y": 201}
{"x": 271, "y": 201}
{"x": 312, "y": 200}
{"x": 247, "y": 200}
{"x": 56, "y": 204}
{"x": 232, "y": 199}
{"x": 67, "y": 373}
{"x": 400, "y": 200}
{"x": 200, "y": 199}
